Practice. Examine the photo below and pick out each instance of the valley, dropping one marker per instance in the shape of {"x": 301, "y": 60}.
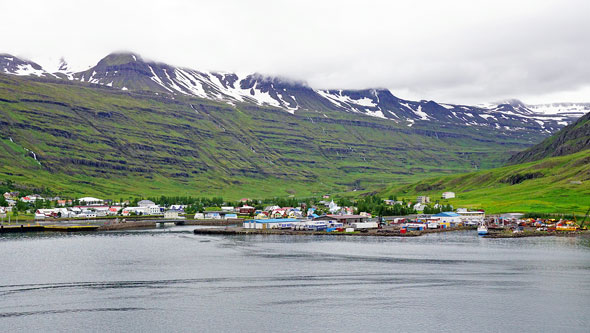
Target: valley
{"x": 132, "y": 127}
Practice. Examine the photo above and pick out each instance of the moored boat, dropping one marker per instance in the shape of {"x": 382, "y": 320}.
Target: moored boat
{"x": 482, "y": 230}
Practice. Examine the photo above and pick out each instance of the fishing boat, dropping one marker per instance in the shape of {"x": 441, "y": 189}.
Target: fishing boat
{"x": 482, "y": 230}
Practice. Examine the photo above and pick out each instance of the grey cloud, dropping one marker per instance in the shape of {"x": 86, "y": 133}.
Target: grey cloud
{"x": 453, "y": 51}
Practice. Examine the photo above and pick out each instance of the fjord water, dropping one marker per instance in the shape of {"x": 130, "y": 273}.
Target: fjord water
{"x": 172, "y": 280}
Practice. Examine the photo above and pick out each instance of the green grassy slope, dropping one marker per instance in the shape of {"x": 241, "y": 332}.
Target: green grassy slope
{"x": 549, "y": 189}
{"x": 100, "y": 141}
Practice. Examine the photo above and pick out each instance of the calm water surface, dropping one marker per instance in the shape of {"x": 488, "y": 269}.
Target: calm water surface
{"x": 172, "y": 280}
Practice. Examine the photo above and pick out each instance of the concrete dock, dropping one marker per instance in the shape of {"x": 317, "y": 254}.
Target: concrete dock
{"x": 388, "y": 232}
{"x": 41, "y": 228}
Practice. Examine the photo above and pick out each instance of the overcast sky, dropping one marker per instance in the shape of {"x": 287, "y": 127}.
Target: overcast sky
{"x": 449, "y": 51}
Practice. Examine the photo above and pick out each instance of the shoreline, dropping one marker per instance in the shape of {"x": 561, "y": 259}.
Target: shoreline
{"x": 372, "y": 232}
{"x": 154, "y": 224}
{"x": 98, "y": 227}
{"x": 537, "y": 234}
{"x": 232, "y": 229}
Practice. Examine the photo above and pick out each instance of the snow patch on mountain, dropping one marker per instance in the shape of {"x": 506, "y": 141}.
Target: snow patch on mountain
{"x": 566, "y": 109}
{"x": 328, "y": 96}
{"x": 28, "y": 69}
{"x": 261, "y": 97}
{"x": 190, "y": 82}
{"x": 378, "y": 114}
{"x": 340, "y": 99}
{"x": 423, "y": 115}
{"x": 157, "y": 79}
{"x": 121, "y": 71}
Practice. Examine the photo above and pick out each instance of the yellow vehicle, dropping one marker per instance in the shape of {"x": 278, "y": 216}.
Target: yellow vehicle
{"x": 566, "y": 227}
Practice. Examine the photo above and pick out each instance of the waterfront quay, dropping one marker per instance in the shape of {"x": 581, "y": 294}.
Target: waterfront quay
{"x": 108, "y": 225}
{"x": 386, "y": 231}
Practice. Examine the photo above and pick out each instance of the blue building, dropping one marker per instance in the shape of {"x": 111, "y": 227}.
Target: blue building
{"x": 268, "y": 223}
{"x": 448, "y": 217}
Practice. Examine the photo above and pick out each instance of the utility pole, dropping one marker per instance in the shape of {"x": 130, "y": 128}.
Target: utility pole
{"x": 584, "y": 220}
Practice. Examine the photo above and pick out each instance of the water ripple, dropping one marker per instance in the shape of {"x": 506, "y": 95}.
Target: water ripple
{"x": 45, "y": 312}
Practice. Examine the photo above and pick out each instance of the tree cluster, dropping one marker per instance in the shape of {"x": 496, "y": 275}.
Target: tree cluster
{"x": 376, "y": 206}
{"x": 439, "y": 209}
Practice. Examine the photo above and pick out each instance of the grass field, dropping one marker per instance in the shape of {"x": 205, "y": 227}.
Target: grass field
{"x": 554, "y": 187}
{"x": 93, "y": 140}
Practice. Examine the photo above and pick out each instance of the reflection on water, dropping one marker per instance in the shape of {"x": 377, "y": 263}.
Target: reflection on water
{"x": 171, "y": 280}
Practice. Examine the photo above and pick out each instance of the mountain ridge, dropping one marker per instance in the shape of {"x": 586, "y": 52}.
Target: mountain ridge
{"x": 126, "y": 124}
{"x": 129, "y": 71}
{"x": 570, "y": 139}
{"x": 79, "y": 137}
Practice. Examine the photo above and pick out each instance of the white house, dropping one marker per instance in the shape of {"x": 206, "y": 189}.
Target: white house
{"x": 101, "y": 211}
{"x": 87, "y": 214}
{"x": 154, "y": 210}
{"x": 471, "y": 216}
{"x": 423, "y": 199}
{"x": 448, "y": 195}
{"x": 44, "y": 212}
{"x": 171, "y": 214}
{"x": 53, "y": 212}
{"x": 30, "y": 198}
{"x": 90, "y": 201}
{"x": 67, "y": 213}
{"x": 113, "y": 210}
{"x": 137, "y": 210}
{"x": 213, "y": 215}
{"x": 146, "y": 203}
{"x": 333, "y": 207}
{"x": 419, "y": 207}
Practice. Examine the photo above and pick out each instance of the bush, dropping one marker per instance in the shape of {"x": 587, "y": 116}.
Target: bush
{"x": 521, "y": 177}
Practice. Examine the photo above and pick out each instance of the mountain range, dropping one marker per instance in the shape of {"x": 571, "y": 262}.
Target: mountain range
{"x": 128, "y": 71}
{"x": 131, "y": 126}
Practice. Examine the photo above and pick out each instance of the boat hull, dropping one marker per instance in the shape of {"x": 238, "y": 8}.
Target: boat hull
{"x": 482, "y": 231}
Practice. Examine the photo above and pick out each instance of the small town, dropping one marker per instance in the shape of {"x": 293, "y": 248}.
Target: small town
{"x": 372, "y": 216}
{"x": 295, "y": 166}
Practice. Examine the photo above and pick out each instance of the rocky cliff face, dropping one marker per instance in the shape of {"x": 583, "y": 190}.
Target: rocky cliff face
{"x": 571, "y": 139}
